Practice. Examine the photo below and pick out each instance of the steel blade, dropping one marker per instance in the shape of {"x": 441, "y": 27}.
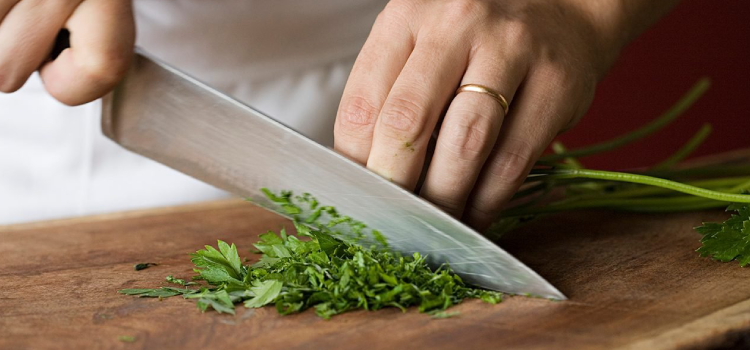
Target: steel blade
{"x": 164, "y": 114}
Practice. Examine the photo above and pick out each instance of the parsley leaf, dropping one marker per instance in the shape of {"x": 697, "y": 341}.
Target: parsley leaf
{"x": 265, "y": 293}
{"x": 217, "y": 300}
{"x": 216, "y": 266}
{"x": 729, "y": 240}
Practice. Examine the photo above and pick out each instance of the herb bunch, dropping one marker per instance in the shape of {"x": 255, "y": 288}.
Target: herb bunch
{"x": 321, "y": 271}
{"x": 560, "y": 182}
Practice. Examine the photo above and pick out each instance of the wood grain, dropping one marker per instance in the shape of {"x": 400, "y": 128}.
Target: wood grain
{"x": 634, "y": 281}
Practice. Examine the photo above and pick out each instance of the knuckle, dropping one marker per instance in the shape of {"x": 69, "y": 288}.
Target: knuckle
{"x": 508, "y": 171}
{"x": 467, "y": 140}
{"x": 403, "y": 118}
{"x": 571, "y": 90}
{"x": 518, "y": 34}
{"x": 437, "y": 45}
{"x": 512, "y": 162}
{"x": 394, "y": 6}
{"x": 484, "y": 211}
{"x": 557, "y": 74}
{"x": 557, "y": 80}
{"x": 356, "y": 115}
{"x": 105, "y": 68}
{"x": 445, "y": 201}
{"x": 396, "y": 10}
{"x": 395, "y": 18}
{"x": 461, "y": 10}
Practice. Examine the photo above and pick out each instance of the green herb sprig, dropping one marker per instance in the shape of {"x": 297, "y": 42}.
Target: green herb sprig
{"x": 560, "y": 182}
{"x": 729, "y": 240}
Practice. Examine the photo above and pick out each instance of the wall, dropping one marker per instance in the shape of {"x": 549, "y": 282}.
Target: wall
{"x": 699, "y": 38}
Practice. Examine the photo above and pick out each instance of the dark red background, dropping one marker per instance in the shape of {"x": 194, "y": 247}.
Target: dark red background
{"x": 699, "y": 38}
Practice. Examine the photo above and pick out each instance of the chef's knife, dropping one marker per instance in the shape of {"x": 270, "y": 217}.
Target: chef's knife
{"x": 168, "y": 116}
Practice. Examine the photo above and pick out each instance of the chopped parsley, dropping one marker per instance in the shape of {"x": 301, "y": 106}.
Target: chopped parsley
{"x": 319, "y": 271}
{"x": 143, "y": 266}
{"x": 126, "y": 338}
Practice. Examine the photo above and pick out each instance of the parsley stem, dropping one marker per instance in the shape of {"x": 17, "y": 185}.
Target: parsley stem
{"x": 668, "y": 204}
{"x": 741, "y": 187}
{"x": 704, "y": 171}
{"x": 559, "y": 148}
{"x": 695, "y": 203}
{"x": 686, "y": 149}
{"x": 670, "y": 115}
{"x": 645, "y": 180}
{"x": 636, "y": 199}
{"x": 723, "y": 185}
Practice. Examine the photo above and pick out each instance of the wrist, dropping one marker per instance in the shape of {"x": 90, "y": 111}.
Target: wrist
{"x": 608, "y": 21}
{"x": 617, "y": 22}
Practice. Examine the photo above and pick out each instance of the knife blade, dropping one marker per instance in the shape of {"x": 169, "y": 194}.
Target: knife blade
{"x": 168, "y": 116}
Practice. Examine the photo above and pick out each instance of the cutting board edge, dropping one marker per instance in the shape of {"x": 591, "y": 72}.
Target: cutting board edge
{"x": 128, "y": 214}
{"x": 712, "y": 330}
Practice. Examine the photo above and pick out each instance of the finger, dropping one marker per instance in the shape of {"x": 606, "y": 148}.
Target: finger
{"x": 413, "y": 107}
{"x": 379, "y": 62}
{"x": 102, "y": 35}
{"x": 5, "y": 6}
{"x": 470, "y": 129}
{"x": 27, "y": 33}
{"x": 542, "y": 108}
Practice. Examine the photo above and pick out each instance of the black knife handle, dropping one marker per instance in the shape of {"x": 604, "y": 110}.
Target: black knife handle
{"x": 62, "y": 42}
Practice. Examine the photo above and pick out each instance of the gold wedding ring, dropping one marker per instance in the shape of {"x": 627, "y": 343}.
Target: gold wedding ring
{"x": 485, "y": 90}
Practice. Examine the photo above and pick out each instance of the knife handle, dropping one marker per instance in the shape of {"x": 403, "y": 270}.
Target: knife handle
{"x": 62, "y": 42}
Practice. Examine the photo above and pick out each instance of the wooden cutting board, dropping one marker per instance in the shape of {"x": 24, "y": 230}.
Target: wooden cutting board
{"x": 634, "y": 281}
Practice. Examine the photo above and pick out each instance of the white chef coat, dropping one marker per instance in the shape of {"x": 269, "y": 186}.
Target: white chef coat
{"x": 287, "y": 58}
